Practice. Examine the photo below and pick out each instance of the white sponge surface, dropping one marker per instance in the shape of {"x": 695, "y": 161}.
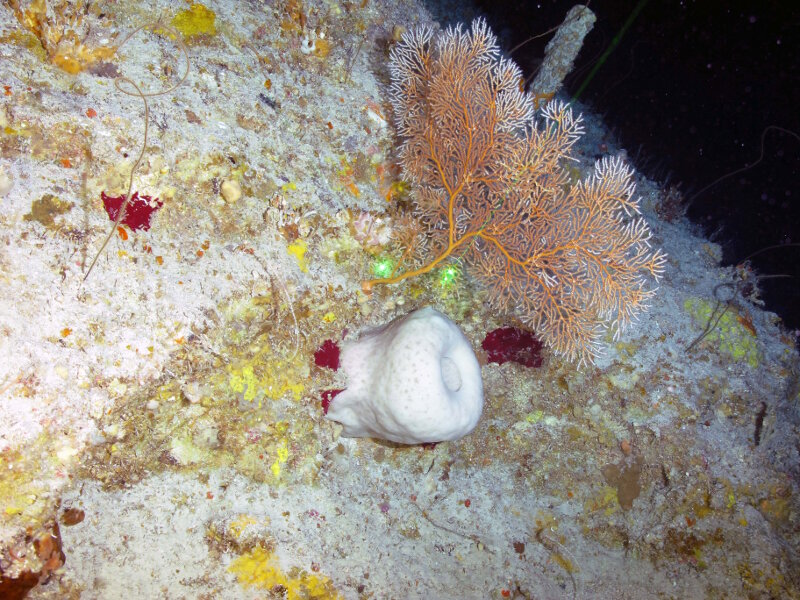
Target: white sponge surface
{"x": 411, "y": 381}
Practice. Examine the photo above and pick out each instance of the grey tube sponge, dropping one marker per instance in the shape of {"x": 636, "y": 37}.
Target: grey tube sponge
{"x": 413, "y": 380}
{"x": 560, "y": 53}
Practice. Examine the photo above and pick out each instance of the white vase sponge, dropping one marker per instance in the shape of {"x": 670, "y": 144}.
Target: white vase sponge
{"x": 413, "y": 380}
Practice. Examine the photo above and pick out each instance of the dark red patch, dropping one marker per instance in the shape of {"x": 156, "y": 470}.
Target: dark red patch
{"x": 137, "y": 213}
{"x": 509, "y": 343}
{"x": 18, "y": 587}
{"x": 327, "y": 398}
{"x": 327, "y": 355}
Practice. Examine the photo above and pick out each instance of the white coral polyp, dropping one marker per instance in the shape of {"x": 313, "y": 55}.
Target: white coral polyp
{"x": 412, "y": 381}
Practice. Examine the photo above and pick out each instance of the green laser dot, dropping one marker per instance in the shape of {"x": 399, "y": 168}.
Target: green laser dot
{"x": 448, "y": 276}
{"x": 382, "y": 268}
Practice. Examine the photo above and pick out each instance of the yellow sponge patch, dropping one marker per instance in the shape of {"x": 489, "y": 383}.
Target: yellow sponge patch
{"x": 260, "y": 568}
{"x": 196, "y": 20}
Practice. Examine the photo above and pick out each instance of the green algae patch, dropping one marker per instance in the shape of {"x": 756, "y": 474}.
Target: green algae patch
{"x": 731, "y": 336}
{"x": 535, "y": 416}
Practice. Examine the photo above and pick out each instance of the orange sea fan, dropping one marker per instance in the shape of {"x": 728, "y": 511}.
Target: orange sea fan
{"x": 491, "y": 189}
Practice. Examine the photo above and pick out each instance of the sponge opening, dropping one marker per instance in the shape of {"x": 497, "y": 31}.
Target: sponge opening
{"x": 451, "y": 376}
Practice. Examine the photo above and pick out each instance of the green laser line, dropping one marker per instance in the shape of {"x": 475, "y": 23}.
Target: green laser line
{"x": 614, "y": 43}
